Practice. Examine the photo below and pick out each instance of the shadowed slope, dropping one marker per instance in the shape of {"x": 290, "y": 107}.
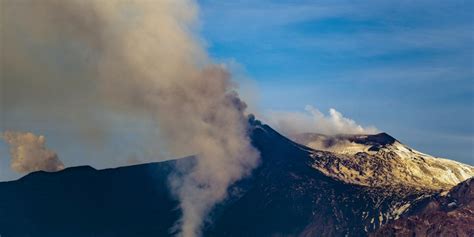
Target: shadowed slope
{"x": 82, "y": 201}
{"x": 289, "y": 197}
{"x": 284, "y": 196}
{"x": 442, "y": 215}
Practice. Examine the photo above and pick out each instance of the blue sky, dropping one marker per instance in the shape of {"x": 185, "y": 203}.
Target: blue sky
{"x": 405, "y": 67}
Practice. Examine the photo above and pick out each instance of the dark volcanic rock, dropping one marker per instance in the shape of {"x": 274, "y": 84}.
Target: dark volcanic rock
{"x": 82, "y": 201}
{"x": 284, "y": 196}
{"x": 450, "y": 215}
{"x": 375, "y": 140}
{"x": 290, "y": 198}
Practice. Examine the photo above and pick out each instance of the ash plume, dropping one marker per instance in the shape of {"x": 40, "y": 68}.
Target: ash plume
{"x": 29, "y": 153}
{"x": 137, "y": 58}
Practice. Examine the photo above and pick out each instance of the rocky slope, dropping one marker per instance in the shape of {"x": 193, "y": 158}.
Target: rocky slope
{"x": 450, "y": 214}
{"x": 381, "y": 160}
{"x": 284, "y": 196}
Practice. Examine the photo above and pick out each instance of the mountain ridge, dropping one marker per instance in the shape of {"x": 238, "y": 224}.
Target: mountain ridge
{"x": 381, "y": 160}
{"x": 284, "y": 196}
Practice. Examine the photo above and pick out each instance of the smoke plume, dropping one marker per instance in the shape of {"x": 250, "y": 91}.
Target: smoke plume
{"x": 314, "y": 121}
{"x": 135, "y": 58}
{"x": 29, "y": 153}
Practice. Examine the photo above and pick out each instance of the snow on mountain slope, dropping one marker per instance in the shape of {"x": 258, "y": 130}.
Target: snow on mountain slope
{"x": 381, "y": 160}
{"x": 441, "y": 215}
{"x": 284, "y": 196}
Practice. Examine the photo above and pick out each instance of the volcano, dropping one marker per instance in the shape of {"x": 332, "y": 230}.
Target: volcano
{"x": 313, "y": 185}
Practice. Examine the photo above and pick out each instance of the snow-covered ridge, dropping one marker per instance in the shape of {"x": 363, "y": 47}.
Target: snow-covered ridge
{"x": 381, "y": 160}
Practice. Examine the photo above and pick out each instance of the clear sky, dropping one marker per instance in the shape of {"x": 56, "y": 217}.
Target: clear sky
{"x": 405, "y": 67}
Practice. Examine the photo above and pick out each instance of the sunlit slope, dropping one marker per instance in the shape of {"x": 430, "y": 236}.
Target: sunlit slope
{"x": 381, "y": 160}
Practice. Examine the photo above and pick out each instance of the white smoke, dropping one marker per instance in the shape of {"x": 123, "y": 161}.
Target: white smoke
{"x": 67, "y": 60}
{"x": 29, "y": 153}
{"x": 314, "y": 121}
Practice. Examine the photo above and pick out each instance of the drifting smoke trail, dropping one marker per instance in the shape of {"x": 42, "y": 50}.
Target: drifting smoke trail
{"x": 29, "y": 153}
{"x": 145, "y": 60}
{"x": 314, "y": 121}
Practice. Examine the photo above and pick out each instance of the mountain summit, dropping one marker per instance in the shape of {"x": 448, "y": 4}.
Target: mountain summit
{"x": 296, "y": 191}
{"x": 381, "y": 160}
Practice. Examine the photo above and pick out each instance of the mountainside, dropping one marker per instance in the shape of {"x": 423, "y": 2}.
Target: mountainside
{"x": 450, "y": 214}
{"x": 381, "y": 160}
{"x": 82, "y": 202}
{"x": 287, "y": 195}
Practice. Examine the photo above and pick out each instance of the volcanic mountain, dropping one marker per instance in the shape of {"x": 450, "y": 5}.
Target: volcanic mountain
{"x": 296, "y": 191}
{"x": 381, "y": 160}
